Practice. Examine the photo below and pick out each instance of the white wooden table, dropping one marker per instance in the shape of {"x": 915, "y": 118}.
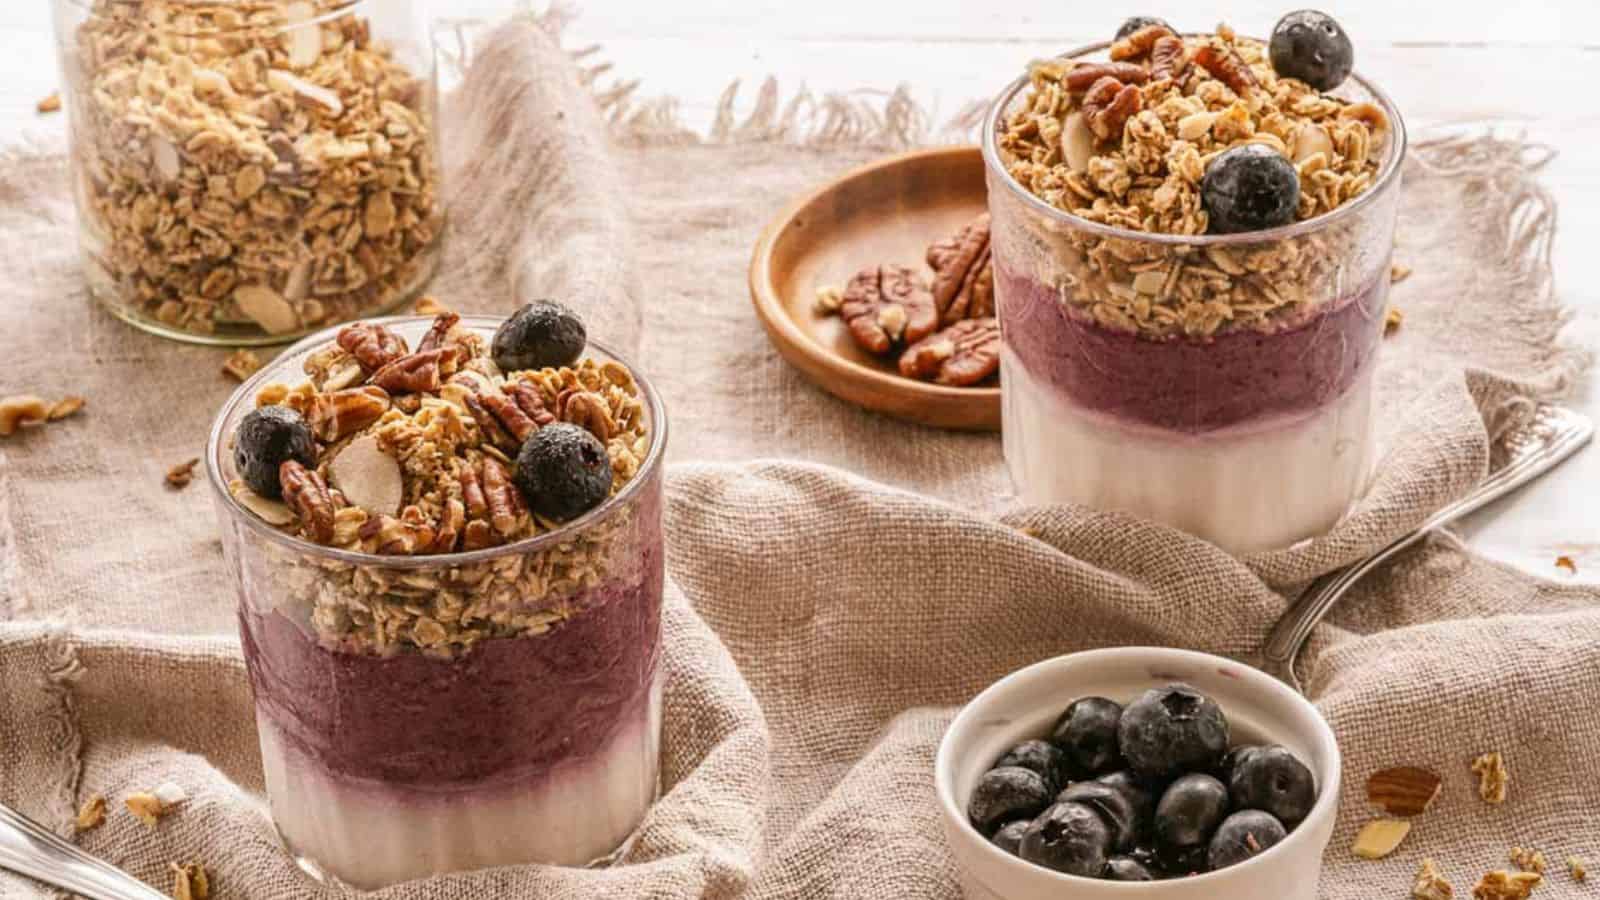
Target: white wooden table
{"x": 1531, "y": 66}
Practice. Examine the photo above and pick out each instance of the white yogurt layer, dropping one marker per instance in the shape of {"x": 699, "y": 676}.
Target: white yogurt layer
{"x": 368, "y": 834}
{"x": 1247, "y": 488}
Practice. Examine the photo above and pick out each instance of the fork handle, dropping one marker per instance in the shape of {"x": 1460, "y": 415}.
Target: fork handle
{"x": 1292, "y": 631}
{"x": 28, "y": 848}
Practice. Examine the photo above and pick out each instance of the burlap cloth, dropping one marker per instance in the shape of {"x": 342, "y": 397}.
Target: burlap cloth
{"x": 821, "y": 627}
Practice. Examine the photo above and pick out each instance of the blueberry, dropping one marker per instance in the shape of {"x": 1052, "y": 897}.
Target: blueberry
{"x": 1009, "y": 837}
{"x": 1249, "y": 188}
{"x": 1068, "y": 837}
{"x": 1126, "y": 868}
{"x": 1041, "y": 756}
{"x": 1272, "y": 780}
{"x": 1181, "y": 862}
{"x": 1087, "y": 731}
{"x": 1310, "y": 45}
{"x": 1172, "y": 730}
{"x": 1111, "y": 804}
{"x": 563, "y": 471}
{"x": 1231, "y": 760}
{"x": 1137, "y": 22}
{"x": 1141, "y": 795}
{"x": 267, "y": 438}
{"x": 1243, "y": 835}
{"x": 540, "y": 335}
{"x": 1006, "y": 794}
{"x": 1189, "y": 812}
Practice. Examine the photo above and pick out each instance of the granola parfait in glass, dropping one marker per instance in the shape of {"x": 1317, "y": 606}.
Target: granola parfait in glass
{"x": 1191, "y": 245}
{"x": 446, "y": 537}
{"x": 248, "y": 172}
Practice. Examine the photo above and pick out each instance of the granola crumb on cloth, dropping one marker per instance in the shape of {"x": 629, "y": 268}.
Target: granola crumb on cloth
{"x": 1503, "y": 885}
{"x": 1430, "y": 884}
{"x": 1527, "y": 859}
{"x": 1493, "y": 777}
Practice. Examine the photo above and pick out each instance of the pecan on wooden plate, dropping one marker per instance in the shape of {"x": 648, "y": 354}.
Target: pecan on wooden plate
{"x": 886, "y": 307}
{"x": 962, "y": 355}
{"x": 963, "y": 279}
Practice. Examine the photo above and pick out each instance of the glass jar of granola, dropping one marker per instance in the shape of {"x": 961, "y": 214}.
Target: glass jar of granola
{"x": 246, "y": 173}
{"x": 1221, "y": 383}
{"x": 450, "y": 673}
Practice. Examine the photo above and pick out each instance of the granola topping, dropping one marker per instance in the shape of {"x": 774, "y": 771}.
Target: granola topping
{"x": 1493, "y": 777}
{"x": 243, "y": 165}
{"x": 1126, "y": 144}
{"x": 431, "y": 472}
{"x": 1430, "y": 883}
{"x": 1503, "y": 885}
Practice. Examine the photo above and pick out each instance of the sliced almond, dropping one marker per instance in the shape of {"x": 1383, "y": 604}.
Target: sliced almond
{"x": 1404, "y": 790}
{"x": 1193, "y": 126}
{"x": 170, "y": 794}
{"x": 347, "y": 374}
{"x": 1077, "y": 142}
{"x": 368, "y": 477}
{"x": 270, "y": 511}
{"x": 1311, "y": 140}
{"x": 299, "y": 283}
{"x": 303, "y": 41}
{"x": 164, "y": 156}
{"x": 1379, "y": 838}
{"x": 267, "y": 308}
{"x": 305, "y": 92}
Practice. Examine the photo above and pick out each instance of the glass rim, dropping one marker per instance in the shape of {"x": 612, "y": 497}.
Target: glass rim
{"x": 1388, "y": 176}
{"x": 321, "y": 16}
{"x": 245, "y": 393}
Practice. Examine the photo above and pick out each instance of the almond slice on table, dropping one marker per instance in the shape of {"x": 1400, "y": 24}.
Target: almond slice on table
{"x": 1380, "y": 837}
{"x": 1404, "y": 790}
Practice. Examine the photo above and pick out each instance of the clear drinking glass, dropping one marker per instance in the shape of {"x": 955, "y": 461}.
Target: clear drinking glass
{"x": 249, "y": 172}
{"x": 1253, "y": 432}
{"x": 528, "y": 728}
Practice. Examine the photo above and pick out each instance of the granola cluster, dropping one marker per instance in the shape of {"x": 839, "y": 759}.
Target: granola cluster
{"x": 1125, "y": 143}
{"x": 415, "y": 455}
{"x": 264, "y": 166}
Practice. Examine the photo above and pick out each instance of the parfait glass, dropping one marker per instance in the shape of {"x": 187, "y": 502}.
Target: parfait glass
{"x": 427, "y": 714}
{"x": 1247, "y": 423}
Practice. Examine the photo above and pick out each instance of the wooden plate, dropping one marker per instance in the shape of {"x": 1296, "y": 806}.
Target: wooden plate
{"x": 887, "y": 212}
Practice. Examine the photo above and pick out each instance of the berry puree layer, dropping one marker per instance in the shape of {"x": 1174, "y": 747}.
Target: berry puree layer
{"x": 1191, "y": 240}
{"x": 447, "y": 541}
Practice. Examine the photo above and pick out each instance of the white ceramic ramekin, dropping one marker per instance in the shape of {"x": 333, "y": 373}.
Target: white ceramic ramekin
{"x": 1260, "y": 709}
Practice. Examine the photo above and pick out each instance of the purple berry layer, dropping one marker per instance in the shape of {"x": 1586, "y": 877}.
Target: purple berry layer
{"x": 1191, "y": 385}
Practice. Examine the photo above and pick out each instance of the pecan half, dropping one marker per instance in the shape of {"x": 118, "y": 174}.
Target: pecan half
{"x": 510, "y": 416}
{"x": 961, "y": 355}
{"x": 885, "y": 307}
{"x": 505, "y": 502}
{"x": 1168, "y": 58}
{"x": 963, "y": 280}
{"x": 1109, "y": 105}
{"x": 472, "y": 494}
{"x": 1226, "y": 66}
{"x": 420, "y": 373}
{"x": 530, "y": 401}
{"x": 1083, "y": 77}
{"x": 494, "y": 431}
{"x": 478, "y": 535}
{"x": 343, "y": 413}
{"x": 435, "y": 338}
{"x": 1140, "y": 42}
{"x": 450, "y": 527}
{"x": 307, "y": 495}
{"x": 373, "y": 345}
{"x": 589, "y": 411}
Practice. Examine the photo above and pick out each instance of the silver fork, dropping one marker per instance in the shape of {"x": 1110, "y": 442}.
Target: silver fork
{"x": 1521, "y": 456}
{"x": 30, "y": 849}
